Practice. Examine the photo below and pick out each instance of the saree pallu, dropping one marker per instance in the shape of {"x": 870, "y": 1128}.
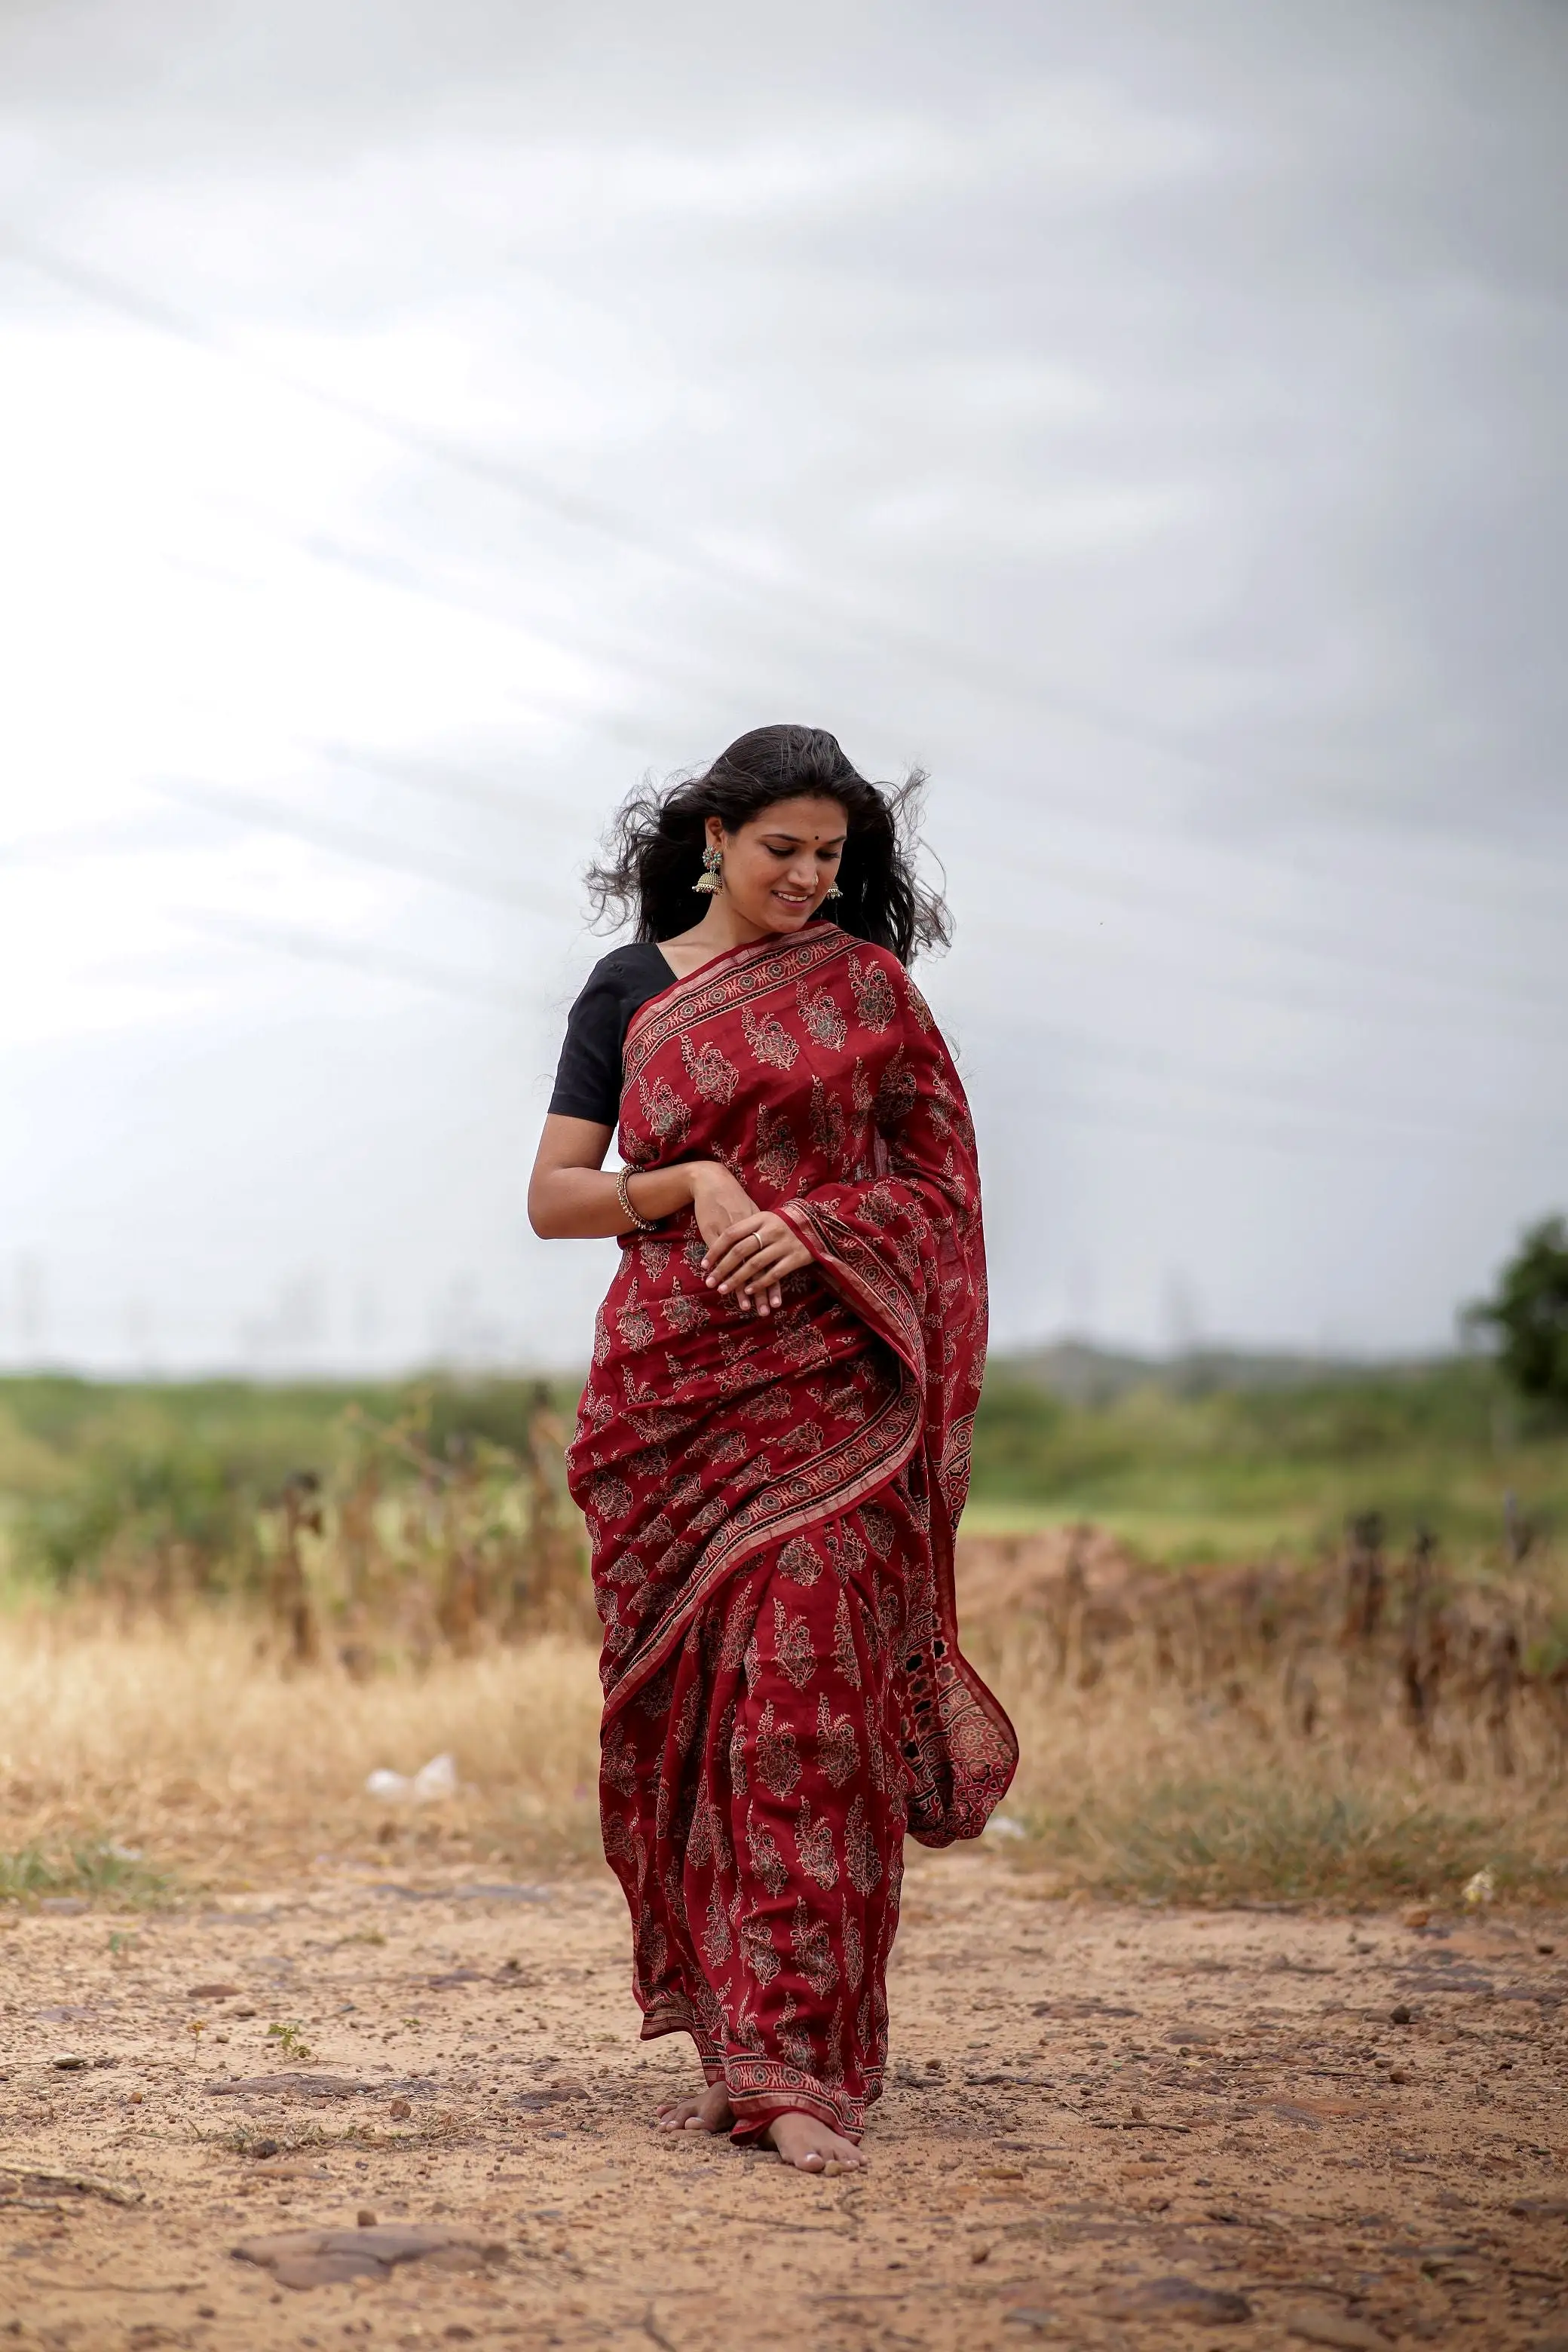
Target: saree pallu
{"x": 772, "y": 1505}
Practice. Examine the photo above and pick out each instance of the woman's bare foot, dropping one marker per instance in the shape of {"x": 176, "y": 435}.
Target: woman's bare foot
{"x": 812, "y": 2146}
{"x": 709, "y": 2113}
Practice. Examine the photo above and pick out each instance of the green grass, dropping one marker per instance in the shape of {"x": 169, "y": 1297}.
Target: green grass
{"x": 182, "y": 1469}
{"x": 1237, "y": 1472}
{"x": 90, "y": 1470}
{"x": 96, "y": 1872}
{"x": 1243, "y": 1839}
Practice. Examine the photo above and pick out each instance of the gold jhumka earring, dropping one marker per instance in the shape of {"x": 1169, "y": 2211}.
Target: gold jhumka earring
{"x": 712, "y": 868}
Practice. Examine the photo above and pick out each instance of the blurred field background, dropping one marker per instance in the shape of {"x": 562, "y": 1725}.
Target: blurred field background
{"x": 1269, "y": 1631}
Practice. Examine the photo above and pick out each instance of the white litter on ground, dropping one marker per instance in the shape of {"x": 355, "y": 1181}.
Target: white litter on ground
{"x": 432, "y": 1783}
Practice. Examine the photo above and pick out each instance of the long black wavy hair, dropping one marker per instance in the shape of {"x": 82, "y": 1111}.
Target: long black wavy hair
{"x": 653, "y": 850}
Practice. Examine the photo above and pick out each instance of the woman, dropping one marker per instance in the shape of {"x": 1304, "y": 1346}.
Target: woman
{"x": 773, "y": 1447}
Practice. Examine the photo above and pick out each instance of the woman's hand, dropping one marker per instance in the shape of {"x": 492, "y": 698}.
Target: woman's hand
{"x": 751, "y": 1256}
{"x": 722, "y": 1206}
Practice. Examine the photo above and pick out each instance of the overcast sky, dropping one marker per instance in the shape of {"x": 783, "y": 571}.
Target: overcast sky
{"x": 421, "y": 419}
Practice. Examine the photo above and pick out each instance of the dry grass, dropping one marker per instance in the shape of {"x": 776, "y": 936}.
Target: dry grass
{"x": 1354, "y": 1733}
{"x": 1131, "y": 1789}
{"x": 1359, "y": 1731}
{"x": 189, "y": 1744}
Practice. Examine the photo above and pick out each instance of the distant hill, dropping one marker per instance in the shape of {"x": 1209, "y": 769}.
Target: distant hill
{"x": 1082, "y": 1374}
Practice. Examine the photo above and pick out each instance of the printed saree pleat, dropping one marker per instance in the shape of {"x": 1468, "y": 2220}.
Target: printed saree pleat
{"x": 772, "y": 1505}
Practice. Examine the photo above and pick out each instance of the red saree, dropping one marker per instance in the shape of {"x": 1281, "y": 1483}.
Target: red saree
{"x": 772, "y": 1506}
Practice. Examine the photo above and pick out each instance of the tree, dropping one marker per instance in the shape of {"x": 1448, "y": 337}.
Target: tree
{"x": 1530, "y": 1312}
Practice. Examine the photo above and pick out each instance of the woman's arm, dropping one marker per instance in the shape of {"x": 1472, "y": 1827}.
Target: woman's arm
{"x": 570, "y": 1198}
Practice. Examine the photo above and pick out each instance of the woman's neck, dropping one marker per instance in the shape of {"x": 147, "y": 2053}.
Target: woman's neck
{"x": 720, "y": 932}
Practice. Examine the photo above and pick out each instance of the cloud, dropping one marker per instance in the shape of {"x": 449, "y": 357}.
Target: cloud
{"x": 1150, "y": 420}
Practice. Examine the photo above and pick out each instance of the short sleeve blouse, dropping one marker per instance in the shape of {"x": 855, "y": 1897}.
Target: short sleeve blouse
{"x": 588, "y": 1076}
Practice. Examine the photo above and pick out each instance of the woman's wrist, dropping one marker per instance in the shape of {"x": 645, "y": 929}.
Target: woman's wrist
{"x": 662, "y": 1193}
{"x": 640, "y": 1223}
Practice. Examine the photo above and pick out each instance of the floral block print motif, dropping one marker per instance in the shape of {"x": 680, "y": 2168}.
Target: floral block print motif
{"x": 754, "y": 1813}
{"x": 801, "y": 1470}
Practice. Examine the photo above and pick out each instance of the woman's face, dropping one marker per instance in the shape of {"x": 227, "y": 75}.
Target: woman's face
{"x": 780, "y": 865}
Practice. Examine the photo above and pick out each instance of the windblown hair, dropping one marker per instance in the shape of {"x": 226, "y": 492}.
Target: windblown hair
{"x": 653, "y": 850}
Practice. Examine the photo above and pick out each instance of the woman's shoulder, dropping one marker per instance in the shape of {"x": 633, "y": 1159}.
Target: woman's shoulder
{"x": 868, "y": 953}
{"x": 894, "y": 982}
{"x": 629, "y": 968}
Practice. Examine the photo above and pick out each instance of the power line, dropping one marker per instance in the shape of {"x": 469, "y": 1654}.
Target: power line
{"x": 388, "y": 571}
{"x": 284, "y": 939}
{"x": 1279, "y": 997}
{"x": 395, "y": 965}
{"x": 358, "y": 843}
{"x": 968, "y": 665}
{"x": 1322, "y": 1141}
{"x": 361, "y": 845}
{"x": 443, "y": 782}
{"x": 1323, "y": 1138}
{"x": 1232, "y": 1087}
{"x": 1323, "y": 949}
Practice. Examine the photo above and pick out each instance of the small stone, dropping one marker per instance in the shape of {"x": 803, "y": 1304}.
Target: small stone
{"x": 1418, "y": 1917}
{"x": 557, "y": 2094}
{"x": 69, "y": 2065}
{"x": 400, "y": 2111}
{"x": 206, "y": 2311}
{"x": 334, "y": 2269}
{"x": 364, "y": 2219}
{"x": 1398, "y": 2074}
{"x": 299, "y": 2085}
{"x": 1399, "y": 2014}
{"x": 1028, "y": 2315}
{"x": 264, "y": 2147}
{"x": 1316, "y": 2323}
{"x": 212, "y": 1992}
{"x": 980, "y": 2254}
{"x": 1180, "y": 2299}
{"x": 1546, "y": 1951}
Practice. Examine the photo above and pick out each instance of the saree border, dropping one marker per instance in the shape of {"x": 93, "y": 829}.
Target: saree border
{"x": 705, "y": 991}
{"x": 859, "y": 1464}
{"x": 950, "y": 1672}
{"x": 761, "y": 2089}
{"x": 870, "y": 1286}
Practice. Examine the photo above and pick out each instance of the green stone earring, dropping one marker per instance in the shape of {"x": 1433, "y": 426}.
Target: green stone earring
{"x": 712, "y": 868}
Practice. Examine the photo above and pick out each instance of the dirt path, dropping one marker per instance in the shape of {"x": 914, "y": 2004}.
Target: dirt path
{"x": 1104, "y": 2128}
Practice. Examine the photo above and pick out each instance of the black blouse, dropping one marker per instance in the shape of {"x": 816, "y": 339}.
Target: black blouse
{"x": 588, "y": 1076}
